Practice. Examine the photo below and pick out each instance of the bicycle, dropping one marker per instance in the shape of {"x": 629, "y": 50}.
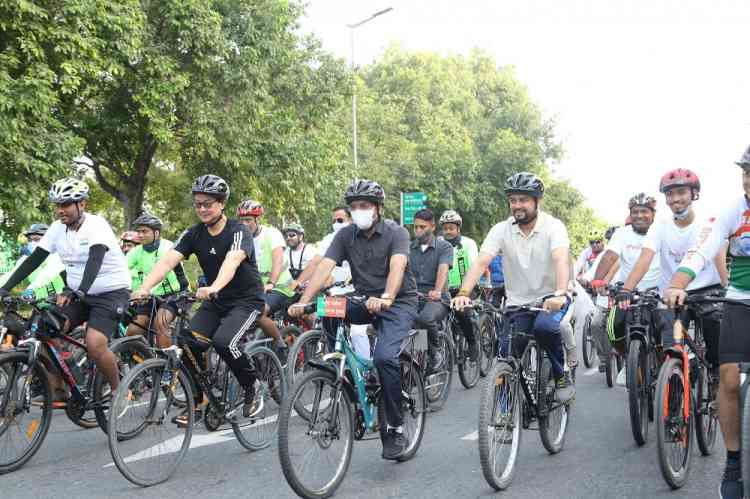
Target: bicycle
{"x": 686, "y": 392}
{"x": 490, "y": 321}
{"x": 25, "y": 391}
{"x": 468, "y": 369}
{"x": 341, "y": 392}
{"x": 518, "y": 391}
{"x": 437, "y": 378}
{"x": 146, "y": 403}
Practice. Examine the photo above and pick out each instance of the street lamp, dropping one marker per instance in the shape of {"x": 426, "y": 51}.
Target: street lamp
{"x": 354, "y": 82}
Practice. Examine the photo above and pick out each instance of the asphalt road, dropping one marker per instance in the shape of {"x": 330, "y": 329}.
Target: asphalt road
{"x": 600, "y": 459}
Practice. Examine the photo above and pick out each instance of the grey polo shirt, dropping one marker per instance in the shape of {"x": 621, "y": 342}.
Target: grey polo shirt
{"x": 424, "y": 264}
{"x": 369, "y": 258}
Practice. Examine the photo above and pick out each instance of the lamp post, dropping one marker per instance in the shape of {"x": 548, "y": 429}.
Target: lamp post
{"x": 352, "y": 27}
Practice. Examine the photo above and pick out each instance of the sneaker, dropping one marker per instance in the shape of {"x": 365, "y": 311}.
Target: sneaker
{"x": 602, "y": 367}
{"x": 731, "y": 484}
{"x": 621, "y": 381}
{"x": 565, "y": 390}
{"x": 473, "y": 351}
{"x": 253, "y": 405}
{"x": 182, "y": 419}
{"x": 394, "y": 445}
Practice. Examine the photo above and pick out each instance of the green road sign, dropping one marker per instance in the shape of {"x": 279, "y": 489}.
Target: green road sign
{"x": 411, "y": 202}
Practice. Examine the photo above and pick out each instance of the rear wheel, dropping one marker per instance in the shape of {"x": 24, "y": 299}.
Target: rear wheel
{"x": 486, "y": 343}
{"x": 553, "y": 415}
{"x": 706, "y": 413}
{"x": 639, "y": 392}
{"x": 438, "y": 383}
{"x": 590, "y": 355}
{"x": 612, "y": 367}
{"x": 674, "y": 430}
{"x": 468, "y": 370}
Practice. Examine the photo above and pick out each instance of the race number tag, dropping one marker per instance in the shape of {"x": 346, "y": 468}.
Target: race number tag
{"x": 332, "y": 306}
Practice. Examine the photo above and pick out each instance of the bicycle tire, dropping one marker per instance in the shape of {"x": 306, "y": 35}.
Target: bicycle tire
{"x": 706, "y": 415}
{"x": 39, "y": 427}
{"x": 414, "y": 408}
{"x": 638, "y": 391}
{"x": 468, "y": 370}
{"x": 272, "y": 384}
{"x": 669, "y": 424}
{"x": 589, "y": 348}
{"x": 437, "y": 398}
{"x": 486, "y": 340}
{"x": 297, "y": 359}
{"x": 128, "y": 353}
{"x": 487, "y": 409}
{"x": 290, "y": 334}
{"x": 346, "y": 413}
{"x": 551, "y": 433}
{"x": 123, "y": 395}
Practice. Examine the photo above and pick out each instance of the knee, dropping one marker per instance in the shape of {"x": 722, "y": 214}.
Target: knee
{"x": 729, "y": 380}
{"x": 163, "y": 319}
{"x": 383, "y": 359}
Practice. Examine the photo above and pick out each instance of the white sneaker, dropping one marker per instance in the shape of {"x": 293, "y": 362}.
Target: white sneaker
{"x": 620, "y": 381}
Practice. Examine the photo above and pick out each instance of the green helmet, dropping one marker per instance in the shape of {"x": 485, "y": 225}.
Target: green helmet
{"x": 293, "y": 227}
{"x": 595, "y": 235}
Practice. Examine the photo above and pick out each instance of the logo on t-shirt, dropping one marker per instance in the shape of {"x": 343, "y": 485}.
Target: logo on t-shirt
{"x": 213, "y": 251}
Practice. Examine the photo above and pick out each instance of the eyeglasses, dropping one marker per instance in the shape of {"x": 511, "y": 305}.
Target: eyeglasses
{"x": 205, "y": 204}
{"x": 339, "y": 220}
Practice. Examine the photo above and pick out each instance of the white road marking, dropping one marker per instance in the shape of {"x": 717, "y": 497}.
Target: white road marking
{"x": 471, "y": 436}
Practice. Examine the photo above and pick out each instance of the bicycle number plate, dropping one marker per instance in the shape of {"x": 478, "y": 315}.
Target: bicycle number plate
{"x": 332, "y": 306}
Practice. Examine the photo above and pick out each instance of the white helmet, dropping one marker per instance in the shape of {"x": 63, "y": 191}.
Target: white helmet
{"x": 68, "y": 190}
{"x": 451, "y": 217}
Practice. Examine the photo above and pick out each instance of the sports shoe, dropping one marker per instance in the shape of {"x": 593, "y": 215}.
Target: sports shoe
{"x": 394, "y": 444}
{"x": 565, "y": 390}
{"x": 253, "y": 405}
{"x": 621, "y": 381}
{"x": 731, "y": 484}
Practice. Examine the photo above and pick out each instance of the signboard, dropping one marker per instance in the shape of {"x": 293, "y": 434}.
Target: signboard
{"x": 411, "y": 202}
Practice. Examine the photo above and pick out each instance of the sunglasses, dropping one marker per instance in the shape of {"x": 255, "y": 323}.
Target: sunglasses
{"x": 290, "y": 235}
{"x": 595, "y": 241}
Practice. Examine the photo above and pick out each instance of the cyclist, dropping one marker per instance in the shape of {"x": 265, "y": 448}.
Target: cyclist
{"x": 588, "y": 256}
{"x": 340, "y": 218}
{"x": 733, "y": 223}
{"x": 377, "y": 251}
{"x": 299, "y": 254}
{"x": 536, "y": 262}
{"x": 47, "y": 279}
{"x": 233, "y": 301}
{"x": 465, "y": 253}
{"x": 269, "y": 254}
{"x": 626, "y": 244}
{"x": 495, "y": 279}
{"x": 96, "y": 273}
{"x": 129, "y": 240}
{"x": 430, "y": 259}
{"x": 141, "y": 261}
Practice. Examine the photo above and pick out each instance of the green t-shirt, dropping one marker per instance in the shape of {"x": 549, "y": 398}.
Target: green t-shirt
{"x": 142, "y": 262}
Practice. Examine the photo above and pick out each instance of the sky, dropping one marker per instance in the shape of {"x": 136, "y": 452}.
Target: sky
{"x": 636, "y": 87}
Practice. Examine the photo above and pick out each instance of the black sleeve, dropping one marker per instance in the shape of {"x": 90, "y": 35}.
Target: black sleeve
{"x": 337, "y": 249}
{"x": 64, "y": 276}
{"x": 242, "y": 240}
{"x": 28, "y": 266}
{"x": 184, "y": 244}
{"x": 93, "y": 265}
{"x": 179, "y": 272}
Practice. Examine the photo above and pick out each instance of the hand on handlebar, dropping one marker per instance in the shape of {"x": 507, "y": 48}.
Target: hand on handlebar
{"x": 600, "y": 286}
{"x": 623, "y": 298}
{"x": 375, "y": 305}
{"x": 139, "y": 294}
{"x": 206, "y": 293}
{"x": 434, "y": 295}
{"x": 297, "y": 310}
{"x": 461, "y": 302}
{"x": 555, "y": 303}
{"x": 674, "y": 297}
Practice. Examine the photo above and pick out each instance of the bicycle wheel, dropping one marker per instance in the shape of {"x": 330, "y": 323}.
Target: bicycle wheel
{"x": 486, "y": 335}
{"x": 315, "y": 454}
{"x": 673, "y": 433}
{"x": 290, "y": 334}
{"x": 129, "y": 354}
{"x": 638, "y": 390}
{"x": 553, "y": 415}
{"x": 438, "y": 383}
{"x": 413, "y": 408}
{"x": 258, "y": 431}
{"x": 24, "y": 417}
{"x": 590, "y": 355}
{"x": 706, "y": 414}
{"x": 309, "y": 345}
{"x": 500, "y": 426}
{"x": 468, "y": 370}
{"x": 146, "y": 443}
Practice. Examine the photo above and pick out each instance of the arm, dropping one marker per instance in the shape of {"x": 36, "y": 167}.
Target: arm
{"x": 561, "y": 260}
{"x": 323, "y": 270}
{"x": 310, "y": 268}
{"x": 166, "y": 263}
{"x": 27, "y": 267}
{"x": 613, "y": 271}
{"x": 721, "y": 264}
{"x": 232, "y": 261}
{"x": 475, "y": 272}
{"x": 609, "y": 259}
{"x": 442, "y": 277}
{"x": 277, "y": 264}
{"x": 93, "y": 265}
{"x": 640, "y": 269}
{"x": 396, "y": 268}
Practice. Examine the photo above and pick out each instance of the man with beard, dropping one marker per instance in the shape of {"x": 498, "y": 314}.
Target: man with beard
{"x": 299, "y": 254}
{"x": 626, "y": 245}
{"x": 464, "y": 255}
{"x": 536, "y": 263}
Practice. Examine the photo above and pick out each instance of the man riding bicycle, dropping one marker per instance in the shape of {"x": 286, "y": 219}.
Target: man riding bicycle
{"x": 47, "y": 279}
{"x": 377, "y": 251}
{"x": 733, "y": 223}
{"x": 536, "y": 261}
{"x": 233, "y": 300}
{"x": 141, "y": 260}
{"x": 96, "y": 273}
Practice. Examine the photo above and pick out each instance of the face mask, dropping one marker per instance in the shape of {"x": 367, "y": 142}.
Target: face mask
{"x": 683, "y": 215}
{"x": 454, "y": 241}
{"x": 363, "y": 218}
{"x": 29, "y": 248}
{"x": 338, "y": 226}
{"x": 425, "y": 237}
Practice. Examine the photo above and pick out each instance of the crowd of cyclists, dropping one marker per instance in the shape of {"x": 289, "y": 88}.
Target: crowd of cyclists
{"x": 252, "y": 272}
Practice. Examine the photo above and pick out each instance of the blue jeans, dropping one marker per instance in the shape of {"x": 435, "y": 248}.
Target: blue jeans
{"x": 546, "y": 329}
{"x": 392, "y": 326}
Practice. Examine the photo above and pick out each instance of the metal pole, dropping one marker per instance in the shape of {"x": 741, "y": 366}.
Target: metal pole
{"x": 402, "y": 209}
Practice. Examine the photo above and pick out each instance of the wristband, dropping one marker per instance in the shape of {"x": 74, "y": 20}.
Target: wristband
{"x": 598, "y": 283}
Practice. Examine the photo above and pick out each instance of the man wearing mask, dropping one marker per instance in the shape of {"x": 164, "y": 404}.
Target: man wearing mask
{"x": 141, "y": 261}
{"x": 46, "y": 280}
{"x": 430, "y": 259}
{"x": 340, "y": 218}
{"x": 465, "y": 252}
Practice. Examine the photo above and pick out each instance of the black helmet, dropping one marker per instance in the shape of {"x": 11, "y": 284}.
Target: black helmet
{"x": 745, "y": 159}
{"x": 36, "y": 229}
{"x": 642, "y": 199}
{"x": 364, "y": 190}
{"x": 524, "y": 183}
{"x": 146, "y": 219}
{"x": 212, "y": 185}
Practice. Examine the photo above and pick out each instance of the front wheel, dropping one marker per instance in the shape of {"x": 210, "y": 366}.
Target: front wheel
{"x": 500, "y": 432}
{"x": 674, "y": 425}
{"x": 706, "y": 413}
{"x": 590, "y": 355}
{"x": 639, "y": 391}
{"x": 468, "y": 370}
{"x": 553, "y": 415}
{"x": 486, "y": 343}
{"x": 438, "y": 381}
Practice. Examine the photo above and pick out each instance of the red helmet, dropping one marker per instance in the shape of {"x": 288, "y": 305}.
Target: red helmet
{"x": 250, "y": 208}
{"x": 681, "y": 177}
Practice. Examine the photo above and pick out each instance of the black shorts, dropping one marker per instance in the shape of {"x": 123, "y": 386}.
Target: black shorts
{"x": 734, "y": 340}
{"x": 102, "y": 312}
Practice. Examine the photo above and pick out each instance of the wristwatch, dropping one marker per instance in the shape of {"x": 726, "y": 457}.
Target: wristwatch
{"x": 386, "y": 296}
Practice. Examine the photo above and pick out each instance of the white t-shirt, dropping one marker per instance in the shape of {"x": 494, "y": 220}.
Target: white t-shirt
{"x": 671, "y": 243}
{"x": 276, "y": 241}
{"x": 527, "y": 259}
{"x": 73, "y": 249}
{"x": 300, "y": 257}
{"x": 627, "y": 244}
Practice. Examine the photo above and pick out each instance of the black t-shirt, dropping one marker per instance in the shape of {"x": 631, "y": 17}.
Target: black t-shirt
{"x": 211, "y": 251}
